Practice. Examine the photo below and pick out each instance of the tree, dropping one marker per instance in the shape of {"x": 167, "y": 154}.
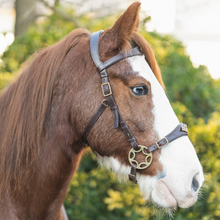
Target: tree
{"x": 25, "y": 15}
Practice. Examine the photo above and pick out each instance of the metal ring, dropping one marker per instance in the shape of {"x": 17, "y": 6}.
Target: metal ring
{"x": 104, "y": 101}
{"x": 141, "y": 165}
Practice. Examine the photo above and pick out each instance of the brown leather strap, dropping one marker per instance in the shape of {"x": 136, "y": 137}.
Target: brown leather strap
{"x": 132, "y": 175}
{"x": 179, "y": 131}
{"x": 106, "y": 88}
{"x": 124, "y": 127}
{"x": 95, "y": 117}
{"x": 121, "y": 56}
{"x": 94, "y": 49}
{"x": 107, "y": 92}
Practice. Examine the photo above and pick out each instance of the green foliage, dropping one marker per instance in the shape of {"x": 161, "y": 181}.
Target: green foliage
{"x": 44, "y": 34}
{"x": 95, "y": 193}
{"x": 192, "y": 86}
{"x": 4, "y": 80}
{"x": 37, "y": 37}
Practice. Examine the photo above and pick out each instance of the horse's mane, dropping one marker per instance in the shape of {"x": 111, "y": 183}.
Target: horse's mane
{"x": 24, "y": 107}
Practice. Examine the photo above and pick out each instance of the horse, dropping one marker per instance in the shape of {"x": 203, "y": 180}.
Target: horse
{"x": 49, "y": 117}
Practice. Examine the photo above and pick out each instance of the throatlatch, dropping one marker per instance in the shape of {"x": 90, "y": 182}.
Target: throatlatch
{"x": 180, "y": 130}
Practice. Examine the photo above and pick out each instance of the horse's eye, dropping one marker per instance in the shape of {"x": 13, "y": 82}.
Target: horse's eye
{"x": 140, "y": 90}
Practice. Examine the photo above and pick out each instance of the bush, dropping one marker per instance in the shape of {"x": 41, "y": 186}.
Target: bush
{"x": 5, "y": 78}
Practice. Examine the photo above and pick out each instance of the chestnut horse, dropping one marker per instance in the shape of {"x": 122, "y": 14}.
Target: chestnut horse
{"x": 45, "y": 112}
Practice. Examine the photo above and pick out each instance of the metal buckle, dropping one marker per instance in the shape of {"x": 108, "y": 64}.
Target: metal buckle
{"x": 162, "y": 145}
{"x": 110, "y": 90}
{"x": 104, "y": 101}
{"x": 132, "y": 177}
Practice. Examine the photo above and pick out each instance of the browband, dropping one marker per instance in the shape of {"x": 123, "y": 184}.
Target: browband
{"x": 180, "y": 130}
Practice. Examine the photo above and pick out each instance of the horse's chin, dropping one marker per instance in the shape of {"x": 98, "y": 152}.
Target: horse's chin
{"x": 160, "y": 211}
{"x": 163, "y": 197}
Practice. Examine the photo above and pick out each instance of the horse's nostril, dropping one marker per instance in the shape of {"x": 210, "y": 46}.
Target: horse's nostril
{"x": 195, "y": 184}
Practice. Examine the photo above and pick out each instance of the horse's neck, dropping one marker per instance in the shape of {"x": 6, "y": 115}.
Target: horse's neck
{"x": 41, "y": 195}
{"x": 56, "y": 172}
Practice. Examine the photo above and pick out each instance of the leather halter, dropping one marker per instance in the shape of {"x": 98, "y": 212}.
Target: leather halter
{"x": 180, "y": 130}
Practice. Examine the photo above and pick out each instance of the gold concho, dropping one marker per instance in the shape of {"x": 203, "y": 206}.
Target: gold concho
{"x": 148, "y": 158}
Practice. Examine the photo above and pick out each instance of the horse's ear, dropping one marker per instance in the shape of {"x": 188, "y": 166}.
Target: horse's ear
{"x": 124, "y": 27}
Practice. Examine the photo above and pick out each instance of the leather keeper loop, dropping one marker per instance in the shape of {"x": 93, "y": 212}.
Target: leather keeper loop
{"x": 103, "y": 73}
{"x": 115, "y": 118}
{"x": 132, "y": 175}
{"x": 114, "y": 107}
{"x": 134, "y": 145}
{"x": 101, "y": 67}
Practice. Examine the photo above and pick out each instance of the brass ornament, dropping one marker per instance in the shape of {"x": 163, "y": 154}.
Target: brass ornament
{"x": 184, "y": 128}
{"x": 142, "y": 165}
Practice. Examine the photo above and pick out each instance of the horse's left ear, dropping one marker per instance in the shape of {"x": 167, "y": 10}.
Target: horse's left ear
{"x": 124, "y": 27}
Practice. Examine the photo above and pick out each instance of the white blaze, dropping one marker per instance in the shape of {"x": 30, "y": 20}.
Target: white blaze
{"x": 165, "y": 119}
{"x": 179, "y": 159}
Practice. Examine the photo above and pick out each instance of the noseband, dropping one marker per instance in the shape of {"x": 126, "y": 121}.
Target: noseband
{"x": 180, "y": 130}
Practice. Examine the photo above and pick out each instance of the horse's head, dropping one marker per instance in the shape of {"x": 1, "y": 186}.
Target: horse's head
{"x": 175, "y": 175}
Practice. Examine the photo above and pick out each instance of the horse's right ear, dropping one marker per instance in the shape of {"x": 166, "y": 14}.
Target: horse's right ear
{"x": 123, "y": 28}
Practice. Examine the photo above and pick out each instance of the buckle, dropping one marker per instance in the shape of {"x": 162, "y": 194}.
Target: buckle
{"x": 110, "y": 90}
{"x": 104, "y": 102}
{"x": 132, "y": 178}
{"x": 167, "y": 142}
